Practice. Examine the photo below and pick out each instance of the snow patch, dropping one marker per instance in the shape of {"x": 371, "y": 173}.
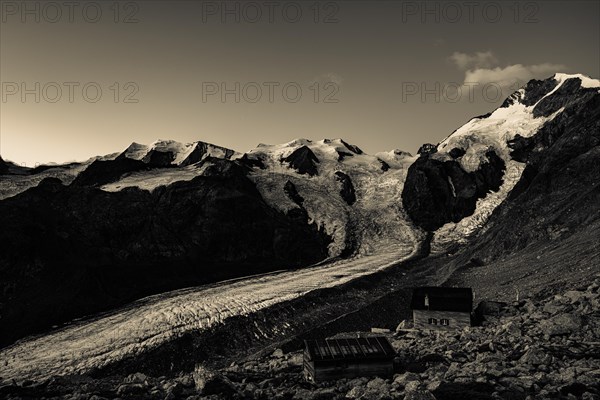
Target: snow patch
{"x": 586, "y": 81}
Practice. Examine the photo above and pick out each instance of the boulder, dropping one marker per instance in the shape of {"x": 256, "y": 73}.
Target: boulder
{"x": 535, "y": 356}
{"x": 561, "y": 324}
{"x": 209, "y": 382}
{"x": 129, "y": 389}
{"x": 403, "y": 379}
{"x": 419, "y": 395}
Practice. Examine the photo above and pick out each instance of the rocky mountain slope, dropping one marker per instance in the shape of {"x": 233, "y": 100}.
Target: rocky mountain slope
{"x": 485, "y": 158}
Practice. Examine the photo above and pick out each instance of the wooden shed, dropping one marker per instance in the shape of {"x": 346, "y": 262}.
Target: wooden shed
{"x": 331, "y": 359}
{"x": 441, "y": 308}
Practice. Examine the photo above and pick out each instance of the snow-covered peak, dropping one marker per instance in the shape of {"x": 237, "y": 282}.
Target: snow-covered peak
{"x": 182, "y": 152}
{"x": 333, "y": 155}
{"x": 586, "y": 81}
{"x": 135, "y": 151}
{"x": 515, "y": 117}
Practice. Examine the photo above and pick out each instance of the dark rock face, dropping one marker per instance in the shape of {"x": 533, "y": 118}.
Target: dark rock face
{"x": 156, "y": 158}
{"x": 352, "y": 148}
{"x": 292, "y": 192}
{"x": 3, "y": 166}
{"x": 457, "y": 152}
{"x": 74, "y": 250}
{"x": 304, "y": 161}
{"x": 343, "y": 154}
{"x": 200, "y": 151}
{"x": 567, "y": 95}
{"x": 347, "y": 192}
{"x": 510, "y": 100}
{"x": 426, "y": 149}
{"x": 521, "y": 147}
{"x": 384, "y": 166}
{"x": 437, "y": 192}
{"x": 102, "y": 172}
{"x": 536, "y": 89}
{"x": 251, "y": 162}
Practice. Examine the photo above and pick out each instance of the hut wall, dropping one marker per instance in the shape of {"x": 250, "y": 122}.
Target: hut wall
{"x": 331, "y": 369}
{"x": 457, "y": 320}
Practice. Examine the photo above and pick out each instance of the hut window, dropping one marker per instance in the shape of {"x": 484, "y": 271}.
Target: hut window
{"x": 433, "y": 321}
{"x": 444, "y": 321}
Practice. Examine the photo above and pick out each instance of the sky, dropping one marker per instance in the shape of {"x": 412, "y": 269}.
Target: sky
{"x": 85, "y": 78}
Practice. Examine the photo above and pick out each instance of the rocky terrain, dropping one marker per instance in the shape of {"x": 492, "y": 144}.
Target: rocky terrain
{"x": 529, "y": 349}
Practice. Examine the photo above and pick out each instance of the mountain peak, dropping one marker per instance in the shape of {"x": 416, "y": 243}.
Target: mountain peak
{"x": 181, "y": 153}
{"x": 586, "y": 81}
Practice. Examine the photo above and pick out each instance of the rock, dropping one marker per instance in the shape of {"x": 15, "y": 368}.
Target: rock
{"x": 252, "y": 161}
{"x": 369, "y": 393}
{"x": 457, "y": 152}
{"x": 419, "y": 395}
{"x": 129, "y": 389}
{"x": 137, "y": 377}
{"x": 511, "y": 328}
{"x": 575, "y": 296}
{"x": 347, "y": 191}
{"x": 296, "y": 359}
{"x": 318, "y": 394}
{"x": 278, "y": 353}
{"x": 173, "y": 388}
{"x": 427, "y": 149}
{"x": 589, "y": 396}
{"x": 536, "y": 356}
{"x": 357, "y": 392}
{"x": 352, "y": 147}
{"x": 403, "y": 379}
{"x": 101, "y": 172}
{"x": 157, "y": 158}
{"x": 433, "y": 385}
{"x": 290, "y": 189}
{"x": 553, "y": 308}
{"x": 412, "y": 386}
{"x": 186, "y": 381}
{"x": 378, "y": 384}
{"x": 437, "y": 192}
{"x": 303, "y": 160}
{"x": 208, "y": 382}
{"x": 561, "y": 324}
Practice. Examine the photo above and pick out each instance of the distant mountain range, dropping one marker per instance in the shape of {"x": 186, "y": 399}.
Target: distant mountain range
{"x": 84, "y": 237}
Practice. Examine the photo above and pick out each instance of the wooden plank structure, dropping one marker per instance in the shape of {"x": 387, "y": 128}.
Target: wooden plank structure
{"x": 332, "y": 359}
{"x": 441, "y": 308}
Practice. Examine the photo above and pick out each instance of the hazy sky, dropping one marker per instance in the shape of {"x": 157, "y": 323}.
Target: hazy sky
{"x": 239, "y": 73}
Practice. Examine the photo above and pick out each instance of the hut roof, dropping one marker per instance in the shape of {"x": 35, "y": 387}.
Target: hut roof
{"x": 442, "y": 299}
{"x": 375, "y": 347}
